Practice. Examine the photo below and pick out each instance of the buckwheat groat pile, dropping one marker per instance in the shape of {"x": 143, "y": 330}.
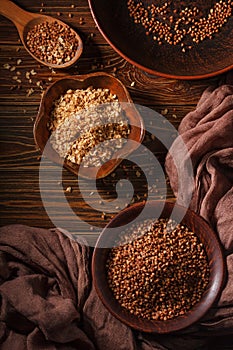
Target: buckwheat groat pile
{"x": 52, "y": 43}
{"x": 160, "y": 271}
{"x": 88, "y": 126}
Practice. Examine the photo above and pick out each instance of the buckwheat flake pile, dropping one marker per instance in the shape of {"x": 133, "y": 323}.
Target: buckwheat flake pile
{"x": 88, "y": 126}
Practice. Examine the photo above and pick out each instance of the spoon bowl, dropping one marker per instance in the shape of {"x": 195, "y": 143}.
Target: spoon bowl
{"x": 25, "y": 21}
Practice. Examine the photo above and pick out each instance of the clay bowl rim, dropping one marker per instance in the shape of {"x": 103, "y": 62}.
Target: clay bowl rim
{"x": 136, "y": 134}
{"x": 217, "y": 274}
{"x": 152, "y": 71}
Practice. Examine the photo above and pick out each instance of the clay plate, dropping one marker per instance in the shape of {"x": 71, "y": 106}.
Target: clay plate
{"x": 206, "y": 235}
{"x": 97, "y": 80}
{"x": 209, "y": 58}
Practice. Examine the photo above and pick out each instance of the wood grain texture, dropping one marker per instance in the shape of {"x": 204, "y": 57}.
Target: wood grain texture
{"x": 20, "y": 160}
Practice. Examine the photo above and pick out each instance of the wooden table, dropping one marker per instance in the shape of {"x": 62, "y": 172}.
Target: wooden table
{"x": 20, "y": 160}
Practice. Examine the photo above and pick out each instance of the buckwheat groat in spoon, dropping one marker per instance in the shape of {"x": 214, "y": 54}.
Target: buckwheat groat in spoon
{"x": 49, "y": 41}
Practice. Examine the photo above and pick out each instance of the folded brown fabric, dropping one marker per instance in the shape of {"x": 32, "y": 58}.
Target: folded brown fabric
{"x": 208, "y": 135}
{"x": 48, "y": 301}
{"x": 44, "y": 282}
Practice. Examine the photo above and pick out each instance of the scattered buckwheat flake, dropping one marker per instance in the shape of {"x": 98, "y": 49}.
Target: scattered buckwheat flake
{"x": 88, "y": 126}
{"x": 164, "y": 111}
{"x": 104, "y": 216}
{"x": 30, "y": 92}
{"x": 6, "y": 66}
{"x": 159, "y": 269}
{"x": 81, "y": 21}
{"x": 69, "y": 189}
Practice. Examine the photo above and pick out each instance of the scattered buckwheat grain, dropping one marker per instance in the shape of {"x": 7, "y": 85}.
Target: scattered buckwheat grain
{"x": 178, "y": 23}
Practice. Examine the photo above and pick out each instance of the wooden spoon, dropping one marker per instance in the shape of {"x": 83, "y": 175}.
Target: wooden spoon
{"x": 25, "y": 21}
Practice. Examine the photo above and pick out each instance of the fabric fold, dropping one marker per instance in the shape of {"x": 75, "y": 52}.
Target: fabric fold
{"x": 43, "y": 288}
{"x": 208, "y": 135}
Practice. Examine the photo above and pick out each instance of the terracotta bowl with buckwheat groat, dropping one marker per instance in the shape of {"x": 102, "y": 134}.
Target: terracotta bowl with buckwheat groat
{"x": 95, "y": 80}
{"x": 207, "y": 57}
{"x": 109, "y": 238}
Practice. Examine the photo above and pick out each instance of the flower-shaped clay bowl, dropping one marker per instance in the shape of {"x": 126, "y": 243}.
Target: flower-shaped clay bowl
{"x": 96, "y": 80}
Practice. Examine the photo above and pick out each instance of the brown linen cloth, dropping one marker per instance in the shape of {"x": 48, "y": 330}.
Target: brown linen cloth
{"x": 208, "y": 135}
{"x": 48, "y": 301}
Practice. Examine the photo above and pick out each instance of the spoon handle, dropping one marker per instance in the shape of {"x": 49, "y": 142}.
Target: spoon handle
{"x": 14, "y": 13}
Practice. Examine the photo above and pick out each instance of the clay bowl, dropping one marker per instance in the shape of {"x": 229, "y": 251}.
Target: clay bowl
{"x": 97, "y": 80}
{"x": 206, "y": 235}
{"x": 209, "y": 58}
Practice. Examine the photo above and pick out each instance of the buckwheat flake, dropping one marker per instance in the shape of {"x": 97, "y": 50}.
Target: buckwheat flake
{"x": 69, "y": 189}
{"x": 88, "y": 126}
{"x": 6, "y": 66}
{"x": 30, "y": 92}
